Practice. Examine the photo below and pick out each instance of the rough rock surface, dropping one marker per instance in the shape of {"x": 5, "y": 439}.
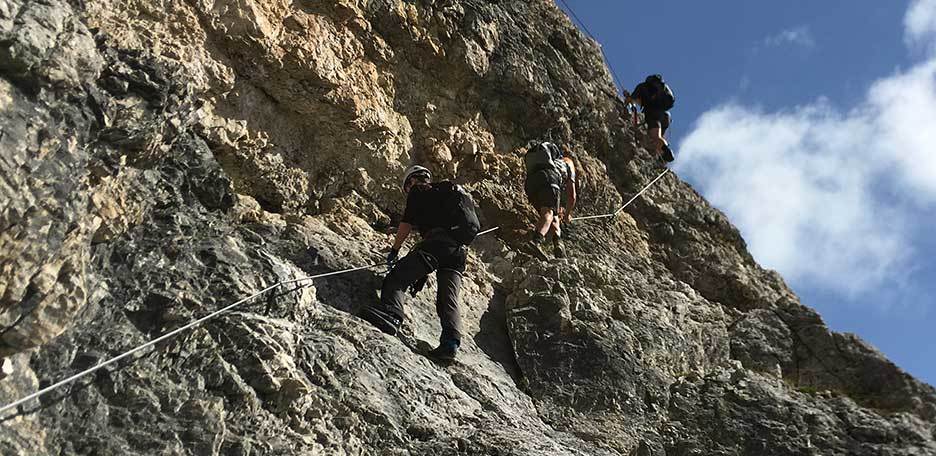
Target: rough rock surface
{"x": 159, "y": 160}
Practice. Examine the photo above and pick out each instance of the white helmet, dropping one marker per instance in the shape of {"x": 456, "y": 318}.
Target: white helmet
{"x": 413, "y": 171}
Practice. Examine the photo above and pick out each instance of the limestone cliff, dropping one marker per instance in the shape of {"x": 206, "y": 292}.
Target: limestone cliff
{"x": 161, "y": 159}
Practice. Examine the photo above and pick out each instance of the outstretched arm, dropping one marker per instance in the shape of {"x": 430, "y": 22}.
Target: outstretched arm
{"x": 638, "y": 95}
{"x": 403, "y": 232}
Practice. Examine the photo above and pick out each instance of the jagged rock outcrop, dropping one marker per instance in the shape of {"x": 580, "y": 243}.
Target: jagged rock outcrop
{"x": 161, "y": 160}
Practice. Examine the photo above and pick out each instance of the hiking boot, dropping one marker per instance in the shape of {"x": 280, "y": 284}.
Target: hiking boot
{"x": 667, "y": 153}
{"x": 558, "y": 249}
{"x": 446, "y": 350}
{"x": 383, "y": 320}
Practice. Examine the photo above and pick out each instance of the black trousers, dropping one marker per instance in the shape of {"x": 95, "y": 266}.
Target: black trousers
{"x": 448, "y": 260}
{"x": 657, "y": 119}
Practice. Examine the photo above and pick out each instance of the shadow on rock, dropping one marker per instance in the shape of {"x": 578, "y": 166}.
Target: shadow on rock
{"x": 493, "y": 338}
{"x": 350, "y": 292}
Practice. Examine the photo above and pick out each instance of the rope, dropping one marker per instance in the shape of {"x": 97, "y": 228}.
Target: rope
{"x": 612, "y": 214}
{"x": 581, "y": 23}
{"x": 230, "y": 307}
{"x": 617, "y": 79}
{"x": 489, "y": 230}
{"x": 172, "y": 333}
{"x": 641, "y": 191}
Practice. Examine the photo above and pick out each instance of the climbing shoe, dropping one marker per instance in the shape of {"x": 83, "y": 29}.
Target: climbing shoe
{"x": 667, "y": 153}
{"x": 558, "y": 249}
{"x": 446, "y": 350}
{"x": 382, "y": 319}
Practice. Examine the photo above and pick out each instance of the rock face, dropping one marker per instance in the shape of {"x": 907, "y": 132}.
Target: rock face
{"x": 160, "y": 160}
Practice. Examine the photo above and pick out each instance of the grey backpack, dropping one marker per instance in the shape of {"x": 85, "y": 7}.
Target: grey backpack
{"x": 544, "y": 155}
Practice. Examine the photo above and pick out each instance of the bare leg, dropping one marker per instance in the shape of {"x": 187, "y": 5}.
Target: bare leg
{"x": 545, "y": 221}
{"x": 556, "y": 231}
{"x": 554, "y": 228}
{"x": 656, "y": 136}
{"x": 538, "y": 235}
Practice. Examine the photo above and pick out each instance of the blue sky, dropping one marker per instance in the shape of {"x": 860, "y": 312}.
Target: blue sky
{"x": 813, "y": 126}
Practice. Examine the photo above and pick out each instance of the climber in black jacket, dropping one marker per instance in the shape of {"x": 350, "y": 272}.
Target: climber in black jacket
{"x": 439, "y": 250}
{"x": 655, "y": 99}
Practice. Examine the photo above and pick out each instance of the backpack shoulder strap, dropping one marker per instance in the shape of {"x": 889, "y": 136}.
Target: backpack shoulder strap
{"x": 569, "y": 168}
{"x": 554, "y": 152}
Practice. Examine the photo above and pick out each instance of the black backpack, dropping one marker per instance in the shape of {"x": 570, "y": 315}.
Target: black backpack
{"x": 458, "y": 212}
{"x": 662, "y": 97}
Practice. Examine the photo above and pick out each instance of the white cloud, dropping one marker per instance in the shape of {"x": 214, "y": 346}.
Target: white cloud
{"x": 801, "y": 192}
{"x": 920, "y": 24}
{"x": 905, "y": 106}
{"x": 799, "y": 36}
{"x": 825, "y": 196}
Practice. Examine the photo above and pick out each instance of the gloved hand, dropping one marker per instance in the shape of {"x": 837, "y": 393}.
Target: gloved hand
{"x": 417, "y": 286}
{"x": 392, "y": 257}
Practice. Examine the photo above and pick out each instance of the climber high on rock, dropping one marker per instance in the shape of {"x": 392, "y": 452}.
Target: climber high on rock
{"x": 444, "y": 214}
{"x": 550, "y": 187}
{"x": 655, "y": 99}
